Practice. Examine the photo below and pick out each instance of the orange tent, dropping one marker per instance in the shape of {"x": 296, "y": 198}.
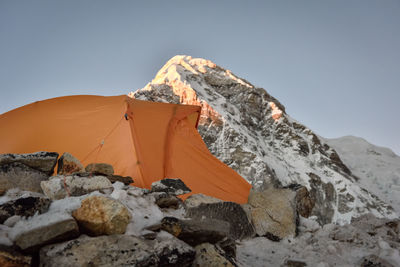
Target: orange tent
{"x": 145, "y": 140}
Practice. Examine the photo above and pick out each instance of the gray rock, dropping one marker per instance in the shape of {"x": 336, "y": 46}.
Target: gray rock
{"x": 374, "y": 261}
{"x": 24, "y": 206}
{"x": 60, "y": 186}
{"x": 195, "y": 232}
{"x": 233, "y": 213}
{"x": 209, "y": 255}
{"x": 117, "y": 250}
{"x": 44, "y": 229}
{"x": 68, "y": 164}
{"x": 18, "y": 175}
{"x": 41, "y": 161}
{"x": 273, "y": 212}
{"x": 100, "y": 168}
{"x": 171, "y": 186}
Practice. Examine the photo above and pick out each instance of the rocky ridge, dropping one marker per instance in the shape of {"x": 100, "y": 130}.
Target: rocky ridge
{"x": 251, "y": 132}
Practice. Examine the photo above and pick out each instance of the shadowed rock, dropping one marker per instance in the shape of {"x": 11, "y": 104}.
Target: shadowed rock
{"x": 41, "y": 161}
{"x": 171, "y": 186}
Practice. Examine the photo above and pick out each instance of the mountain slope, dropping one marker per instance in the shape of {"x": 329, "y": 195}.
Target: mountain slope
{"x": 249, "y": 130}
{"x": 377, "y": 167}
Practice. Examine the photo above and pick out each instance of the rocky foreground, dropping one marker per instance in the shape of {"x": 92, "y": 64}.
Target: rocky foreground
{"x": 87, "y": 216}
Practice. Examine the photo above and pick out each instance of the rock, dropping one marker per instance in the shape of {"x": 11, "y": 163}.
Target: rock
{"x": 68, "y": 164}
{"x": 58, "y": 187}
{"x": 100, "y": 168}
{"x": 99, "y": 215}
{"x": 117, "y": 250}
{"x": 208, "y": 255}
{"x": 25, "y": 206}
{"x": 12, "y": 258}
{"x": 304, "y": 201}
{"x": 18, "y": 175}
{"x": 195, "y": 232}
{"x": 44, "y": 229}
{"x": 374, "y": 261}
{"x": 171, "y": 186}
{"x": 233, "y": 213}
{"x": 167, "y": 201}
{"x": 294, "y": 263}
{"x": 273, "y": 213}
{"x": 41, "y": 161}
{"x": 123, "y": 179}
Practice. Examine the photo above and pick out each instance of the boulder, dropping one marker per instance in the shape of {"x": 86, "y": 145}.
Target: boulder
{"x": 24, "y": 206}
{"x": 212, "y": 208}
{"x": 12, "y": 258}
{"x": 18, "y": 175}
{"x": 273, "y": 213}
{"x": 304, "y": 202}
{"x": 171, "y": 186}
{"x": 41, "y": 161}
{"x": 68, "y": 164}
{"x": 209, "y": 255}
{"x": 42, "y": 230}
{"x": 117, "y": 250}
{"x": 195, "y": 232}
{"x": 100, "y": 168}
{"x": 58, "y": 187}
{"x": 118, "y": 178}
{"x": 99, "y": 215}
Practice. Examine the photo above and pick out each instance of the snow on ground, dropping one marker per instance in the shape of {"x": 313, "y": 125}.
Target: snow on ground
{"x": 377, "y": 167}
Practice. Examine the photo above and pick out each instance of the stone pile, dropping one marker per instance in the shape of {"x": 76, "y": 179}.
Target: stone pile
{"x": 86, "y": 216}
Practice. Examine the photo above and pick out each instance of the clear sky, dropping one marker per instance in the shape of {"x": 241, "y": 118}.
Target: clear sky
{"x": 335, "y": 65}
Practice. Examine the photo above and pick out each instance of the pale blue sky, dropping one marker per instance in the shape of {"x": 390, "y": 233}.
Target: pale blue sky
{"x": 335, "y": 65}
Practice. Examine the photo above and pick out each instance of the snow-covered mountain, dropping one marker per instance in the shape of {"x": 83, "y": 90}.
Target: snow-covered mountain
{"x": 250, "y": 131}
{"x": 377, "y": 167}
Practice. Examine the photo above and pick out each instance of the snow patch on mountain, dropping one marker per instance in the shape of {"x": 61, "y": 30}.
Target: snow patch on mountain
{"x": 377, "y": 167}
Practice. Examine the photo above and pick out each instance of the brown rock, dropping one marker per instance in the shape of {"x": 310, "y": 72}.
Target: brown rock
{"x": 100, "y": 168}
{"x": 68, "y": 164}
{"x": 273, "y": 213}
{"x": 99, "y": 215}
{"x": 11, "y": 258}
{"x": 208, "y": 255}
{"x": 118, "y": 178}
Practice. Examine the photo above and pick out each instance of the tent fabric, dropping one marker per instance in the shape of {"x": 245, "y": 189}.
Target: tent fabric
{"x": 145, "y": 140}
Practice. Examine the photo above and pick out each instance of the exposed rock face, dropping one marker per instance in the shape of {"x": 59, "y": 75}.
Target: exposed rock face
{"x": 208, "y": 255}
{"x": 18, "y": 175}
{"x": 171, "y": 186}
{"x": 251, "y": 132}
{"x": 99, "y": 215}
{"x": 24, "y": 206}
{"x": 60, "y": 186}
{"x": 117, "y": 250}
{"x": 41, "y": 161}
{"x": 233, "y": 213}
{"x": 100, "y": 168}
{"x": 11, "y": 258}
{"x": 195, "y": 232}
{"x": 273, "y": 212}
{"x": 68, "y": 164}
{"x": 43, "y": 230}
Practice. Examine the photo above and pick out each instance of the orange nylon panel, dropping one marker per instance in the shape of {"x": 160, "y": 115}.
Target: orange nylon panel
{"x": 200, "y": 170}
{"x": 74, "y": 124}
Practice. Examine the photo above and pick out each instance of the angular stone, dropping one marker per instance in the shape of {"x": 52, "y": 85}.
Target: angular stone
{"x": 304, "y": 202}
{"x": 164, "y": 200}
{"x": 117, "y": 250}
{"x": 208, "y": 255}
{"x": 68, "y": 164}
{"x": 12, "y": 258}
{"x": 42, "y": 230}
{"x": 58, "y": 187}
{"x": 100, "y": 168}
{"x": 99, "y": 215}
{"x": 171, "y": 186}
{"x": 230, "y": 212}
{"x": 18, "y": 175}
{"x": 25, "y": 206}
{"x": 41, "y": 161}
{"x": 273, "y": 213}
{"x": 195, "y": 232}
{"x": 123, "y": 179}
